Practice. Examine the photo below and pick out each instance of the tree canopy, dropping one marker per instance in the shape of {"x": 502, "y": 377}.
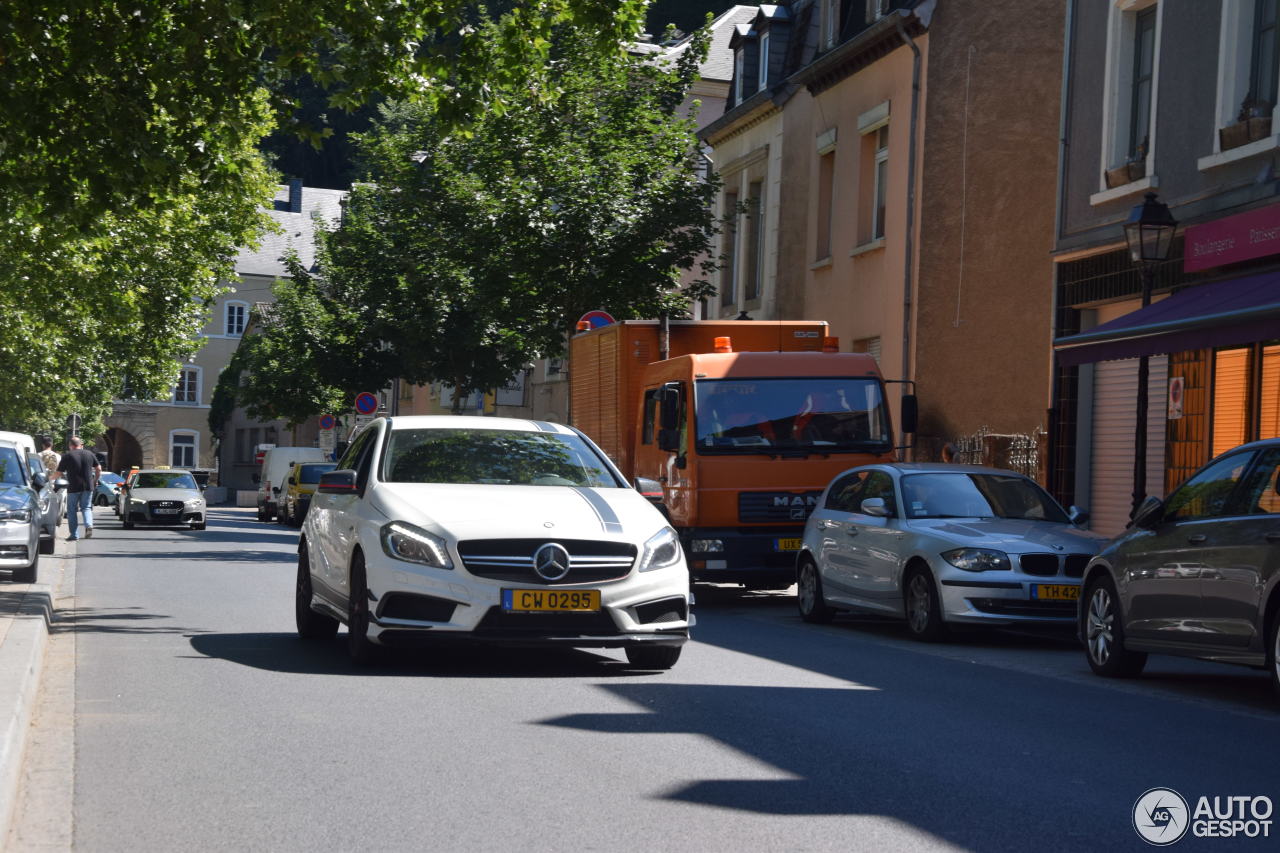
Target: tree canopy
{"x": 129, "y": 169}
{"x": 469, "y": 255}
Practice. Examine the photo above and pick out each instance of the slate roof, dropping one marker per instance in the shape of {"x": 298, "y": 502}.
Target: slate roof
{"x": 297, "y": 231}
{"x": 719, "y": 61}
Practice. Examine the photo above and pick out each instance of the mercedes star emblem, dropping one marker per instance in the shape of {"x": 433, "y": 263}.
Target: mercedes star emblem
{"x": 551, "y": 561}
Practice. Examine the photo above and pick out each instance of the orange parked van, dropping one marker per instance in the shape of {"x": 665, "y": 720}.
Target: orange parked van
{"x": 736, "y": 432}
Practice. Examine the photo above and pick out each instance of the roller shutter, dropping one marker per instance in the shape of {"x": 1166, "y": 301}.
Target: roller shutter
{"x": 1115, "y": 393}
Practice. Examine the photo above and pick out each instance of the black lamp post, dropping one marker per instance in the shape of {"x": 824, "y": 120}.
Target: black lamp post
{"x": 1149, "y": 231}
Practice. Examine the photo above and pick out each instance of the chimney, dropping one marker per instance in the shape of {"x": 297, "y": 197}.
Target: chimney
{"x": 295, "y": 195}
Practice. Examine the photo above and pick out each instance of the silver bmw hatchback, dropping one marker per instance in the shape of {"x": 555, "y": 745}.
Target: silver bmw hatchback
{"x": 941, "y": 545}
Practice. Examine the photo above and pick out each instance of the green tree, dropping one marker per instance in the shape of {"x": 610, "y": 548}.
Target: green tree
{"x": 471, "y": 254}
{"x": 129, "y": 169}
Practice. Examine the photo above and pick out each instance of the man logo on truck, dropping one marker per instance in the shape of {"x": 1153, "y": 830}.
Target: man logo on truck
{"x": 796, "y": 500}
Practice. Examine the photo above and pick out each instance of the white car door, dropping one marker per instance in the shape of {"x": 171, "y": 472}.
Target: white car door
{"x": 345, "y": 513}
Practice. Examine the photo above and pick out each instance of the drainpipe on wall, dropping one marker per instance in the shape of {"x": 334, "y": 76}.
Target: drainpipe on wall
{"x": 1053, "y": 475}
{"x": 909, "y": 250}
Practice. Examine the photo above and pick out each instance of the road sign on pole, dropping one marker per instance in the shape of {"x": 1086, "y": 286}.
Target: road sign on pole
{"x": 327, "y": 421}
{"x": 366, "y": 403}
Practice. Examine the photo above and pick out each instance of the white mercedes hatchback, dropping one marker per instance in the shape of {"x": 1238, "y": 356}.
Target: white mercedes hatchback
{"x": 488, "y": 529}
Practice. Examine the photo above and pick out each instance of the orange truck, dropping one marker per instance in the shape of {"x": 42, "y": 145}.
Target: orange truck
{"x": 735, "y": 427}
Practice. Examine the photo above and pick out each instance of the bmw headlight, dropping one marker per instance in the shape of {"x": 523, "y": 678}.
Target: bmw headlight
{"x": 15, "y": 514}
{"x": 978, "y": 559}
{"x": 661, "y": 551}
{"x": 404, "y": 541}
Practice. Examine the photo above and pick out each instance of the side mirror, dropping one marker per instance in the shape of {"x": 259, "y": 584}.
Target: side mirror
{"x": 1078, "y": 516}
{"x": 669, "y": 415}
{"x": 293, "y": 481}
{"x": 1148, "y": 514}
{"x": 651, "y": 489}
{"x": 669, "y": 440}
{"x": 910, "y": 414}
{"x": 338, "y": 482}
{"x": 39, "y": 479}
{"x": 60, "y": 485}
{"x": 875, "y": 507}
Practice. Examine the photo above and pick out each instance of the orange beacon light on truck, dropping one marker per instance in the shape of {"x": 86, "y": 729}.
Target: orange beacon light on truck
{"x": 723, "y": 344}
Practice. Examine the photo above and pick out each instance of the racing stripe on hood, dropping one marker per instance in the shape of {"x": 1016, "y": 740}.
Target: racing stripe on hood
{"x": 543, "y": 426}
{"x": 608, "y": 518}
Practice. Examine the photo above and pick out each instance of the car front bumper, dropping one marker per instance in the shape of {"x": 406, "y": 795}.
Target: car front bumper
{"x": 412, "y": 604}
{"x": 1007, "y": 598}
{"x": 18, "y": 541}
{"x": 146, "y": 516}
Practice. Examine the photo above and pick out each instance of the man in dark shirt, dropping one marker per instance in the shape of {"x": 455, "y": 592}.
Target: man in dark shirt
{"x": 81, "y": 469}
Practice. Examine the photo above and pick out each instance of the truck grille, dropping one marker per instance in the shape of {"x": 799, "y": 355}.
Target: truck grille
{"x": 756, "y": 507}
{"x": 511, "y": 560}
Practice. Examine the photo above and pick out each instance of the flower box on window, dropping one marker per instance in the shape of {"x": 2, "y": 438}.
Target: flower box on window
{"x": 1243, "y": 132}
{"x": 1134, "y": 170}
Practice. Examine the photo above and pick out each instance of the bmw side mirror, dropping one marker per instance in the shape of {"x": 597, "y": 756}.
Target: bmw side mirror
{"x": 875, "y": 507}
{"x": 1149, "y": 513}
{"x": 1078, "y": 516}
{"x": 337, "y": 482}
{"x": 39, "y": 479}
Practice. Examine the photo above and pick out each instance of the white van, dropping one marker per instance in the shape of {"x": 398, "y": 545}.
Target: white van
{"x": 275, "y": 467}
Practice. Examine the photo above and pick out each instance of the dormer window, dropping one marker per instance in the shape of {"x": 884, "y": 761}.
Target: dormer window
{"x": 739, "y": 71}
{"x": 830, "y": 22}
{"x": 763, "y": 81}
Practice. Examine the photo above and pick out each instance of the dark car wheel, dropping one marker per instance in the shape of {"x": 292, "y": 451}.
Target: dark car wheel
{"x": 653, "y": 657}
{"x": 100, "y": 500}
{"x": 813, "y": 608}
{"x": 923, "y": 606}
{"x": 1104, "y": 633}
{"x": 46, "y": 546}
{"x": 128, "y": 525}
{"x": 1274, "y": 645}
{"x": 359, "y": 646}
{"x": 311, "y": 625}
{"x": 198, "y": 526}
{"x": 28, "y": 574}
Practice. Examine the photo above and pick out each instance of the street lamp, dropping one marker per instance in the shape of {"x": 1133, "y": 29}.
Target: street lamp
{"x": 1149, "y": 231}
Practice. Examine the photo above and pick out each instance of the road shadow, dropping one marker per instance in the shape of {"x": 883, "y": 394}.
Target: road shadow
{"x": 289, "y": 653}
{"x": 112, "y": 620}
{"x": 229, "y": 555}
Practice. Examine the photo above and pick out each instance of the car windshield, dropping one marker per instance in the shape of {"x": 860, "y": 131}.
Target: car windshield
{"x": 493, "y": 457}
{"x": 965, "y": 495}
{"x": 813, "y": 415}
{"x": 311, "y": 473}
{"x": 11, "y": 467}
{"x": 108, "y": 477}
{"x": 162, "y": 480}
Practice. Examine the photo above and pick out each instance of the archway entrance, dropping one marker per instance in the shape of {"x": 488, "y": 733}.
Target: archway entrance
{"x": 123, "y": 449}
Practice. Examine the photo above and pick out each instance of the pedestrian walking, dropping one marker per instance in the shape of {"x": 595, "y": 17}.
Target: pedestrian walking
{"x": 49, "y": 458}
{"x": 81, "y": 469}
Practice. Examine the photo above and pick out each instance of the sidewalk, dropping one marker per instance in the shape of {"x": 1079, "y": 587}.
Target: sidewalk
{"x": 26, "y": 611}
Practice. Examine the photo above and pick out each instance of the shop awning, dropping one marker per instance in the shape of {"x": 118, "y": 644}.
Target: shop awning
{"x": 1224, "y": 313}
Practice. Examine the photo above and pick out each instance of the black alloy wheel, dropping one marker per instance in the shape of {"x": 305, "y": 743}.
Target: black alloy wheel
{"x": 1104, "y": 632}
{"x": 359, "y": 646}
{"x": 653, "y": 657}
{"x": 923, "y": 606}
{"x": 813, "y": 607}
{"x": 1273, "y": 643}
{"x": 28, "y": 574}
{"x": 311, "y": 625}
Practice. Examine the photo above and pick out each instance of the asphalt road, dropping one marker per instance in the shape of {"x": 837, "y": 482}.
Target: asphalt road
{"x": 190, "y": 717}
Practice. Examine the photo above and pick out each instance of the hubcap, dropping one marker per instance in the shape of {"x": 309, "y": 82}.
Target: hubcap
{"x": 918, "y": 603}
{"x": 1099, "y": 625}
{"x": 807, "y": 593}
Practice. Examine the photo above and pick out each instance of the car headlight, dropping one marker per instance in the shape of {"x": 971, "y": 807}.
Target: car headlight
{"x": 403, "y": 541}
{"x": 661, "y": 551}
{"x": 978, "y": 559}
{"x": 15, "y": 515}
{"x": 194, "y": 503}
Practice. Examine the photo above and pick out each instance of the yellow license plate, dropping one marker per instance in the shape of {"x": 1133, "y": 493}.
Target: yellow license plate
{"x": 542, "y": 600}
{"x": 786, "y": 544}
{"x": 1055, "y": 592}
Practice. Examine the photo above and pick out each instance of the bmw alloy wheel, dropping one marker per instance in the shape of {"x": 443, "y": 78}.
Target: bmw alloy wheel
{"x": 918, "y": 603}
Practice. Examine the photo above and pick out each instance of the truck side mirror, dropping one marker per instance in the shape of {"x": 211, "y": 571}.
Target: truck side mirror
{"x": 669, "y": 440}
{"x": 670, "y": 409}
{"x": 910, "y": 413}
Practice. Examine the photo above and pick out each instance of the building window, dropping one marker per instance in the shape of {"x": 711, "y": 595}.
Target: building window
{"x": 237, "y": 316}
{"x": 1133, "y": 63}
{"x": 826, "y": 192}
{"x": 729, "y": 271}
{"x": 755, "y": 241}
{"x": 1264, "y": 70}
{"x": 881, "y": 182}
{"x": 182, "y": 449}
{"x": 763, "y": 81}
{"x": 1246, "y": 396}
{"x": 871, "y": 346}
{"x": 830, "y": 22}
{"x": 187, "y": 391}
{"x": 739, "y": 71}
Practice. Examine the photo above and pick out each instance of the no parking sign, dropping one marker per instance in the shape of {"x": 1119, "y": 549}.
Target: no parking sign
{"x": 366, "y": 403}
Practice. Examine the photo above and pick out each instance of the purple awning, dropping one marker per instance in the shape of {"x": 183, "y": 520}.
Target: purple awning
{"x": 1224, "y": 313}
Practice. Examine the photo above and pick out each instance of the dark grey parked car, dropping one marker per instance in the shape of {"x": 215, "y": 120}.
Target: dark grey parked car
{"x": 1196, "y": 575}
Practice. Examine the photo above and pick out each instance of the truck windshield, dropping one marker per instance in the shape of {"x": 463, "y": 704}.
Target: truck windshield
{"x": 816, "y": 415}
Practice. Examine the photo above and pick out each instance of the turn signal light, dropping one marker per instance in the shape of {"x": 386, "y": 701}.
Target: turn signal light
{"x": 723, "y": 345}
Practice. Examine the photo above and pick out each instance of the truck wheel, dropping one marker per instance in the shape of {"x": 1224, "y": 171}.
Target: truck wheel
{"x": 653, "y": 657}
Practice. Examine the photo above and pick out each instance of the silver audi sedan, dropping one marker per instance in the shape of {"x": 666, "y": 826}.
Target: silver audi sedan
{"x": 940, "y": 545}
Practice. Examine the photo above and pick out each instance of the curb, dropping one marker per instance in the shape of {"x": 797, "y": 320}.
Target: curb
{"x": 26, "y": 612}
